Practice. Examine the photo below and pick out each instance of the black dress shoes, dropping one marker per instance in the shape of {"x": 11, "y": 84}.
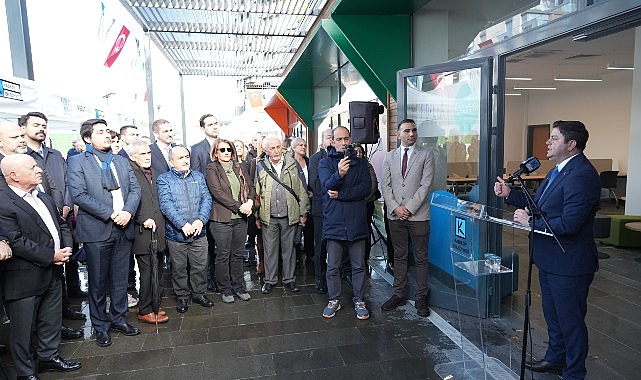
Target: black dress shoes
{"x": 181, "y": 305}
{"x": 3, "y": 349}
{"x": 126, "y": 329}
{"x": 543, "y": 366}
{"x": 57, "y": 364}
{"x": 202, "y": 300}
{"x": 267, "y": 288}
{"x": 30, "y": 377}
{"x": 67, "y": 333}
{"x": 393, "y": 302}
{"x": 69, "y": 313}
{"x": 291, "y": 286}
{"x": 103, "y": 339}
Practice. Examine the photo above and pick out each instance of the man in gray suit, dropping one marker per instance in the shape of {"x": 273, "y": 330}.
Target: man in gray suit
{"x": 105, "y": 189}
{"x": 407, "y": 178}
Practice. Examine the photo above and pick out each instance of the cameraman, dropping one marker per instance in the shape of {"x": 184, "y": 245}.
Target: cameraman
{"x": 346, "y": 181}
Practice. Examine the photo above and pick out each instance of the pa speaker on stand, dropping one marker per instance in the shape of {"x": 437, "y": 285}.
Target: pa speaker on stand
{"x": 363, "y": 121}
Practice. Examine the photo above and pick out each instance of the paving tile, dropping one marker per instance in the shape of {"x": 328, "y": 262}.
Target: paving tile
{"x": 299, "y": 341}
{"x": 192, "y": 371}
{"x": 199, "y": 353}
{"x": 239, "y": 368}
{"x": 175, "y": 339}
{"x": 211, "y": 320}
{"x": 120, "y": 344}
{"x": 136, "y": 360}
{"x": 306, "y": 360}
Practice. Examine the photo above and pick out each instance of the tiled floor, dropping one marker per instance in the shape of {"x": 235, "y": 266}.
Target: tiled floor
{"x": 282, "y": 335}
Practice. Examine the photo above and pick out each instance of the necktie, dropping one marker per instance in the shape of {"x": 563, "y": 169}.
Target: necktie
{"x": 553, "y": 175}
{"x": 404, "y": 163}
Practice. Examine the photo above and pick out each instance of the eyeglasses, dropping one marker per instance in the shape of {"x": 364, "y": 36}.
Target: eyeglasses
{"x": 222, "y": 150}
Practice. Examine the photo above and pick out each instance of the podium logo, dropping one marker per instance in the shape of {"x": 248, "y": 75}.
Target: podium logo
{"x": 459, "y": 227}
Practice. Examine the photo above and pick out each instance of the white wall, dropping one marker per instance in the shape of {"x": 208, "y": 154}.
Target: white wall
{"x": 603, "y": 107}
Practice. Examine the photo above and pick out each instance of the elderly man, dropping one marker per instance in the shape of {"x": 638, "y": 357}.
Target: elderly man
{"x": 149, "y": 224}
{"x": 105, "y": 189}
{"x": 186, "y": 203}
{"x": 283, "y": 205}
{"x": 40, "y": 242}
{"x": 347, "y": 183}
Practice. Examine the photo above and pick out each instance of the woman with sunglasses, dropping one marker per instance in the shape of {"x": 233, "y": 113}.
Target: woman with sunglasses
{"x": 233, "y": 196}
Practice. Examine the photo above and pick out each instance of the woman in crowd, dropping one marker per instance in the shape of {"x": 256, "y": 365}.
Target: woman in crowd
{"x": 116, "y": 143}
{"x": 305, "y": 235}
{"x": 254, "y": 234}
{"x": 233, "y": 196}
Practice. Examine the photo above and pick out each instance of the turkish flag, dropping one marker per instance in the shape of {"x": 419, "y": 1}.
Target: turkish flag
{"x": 118, "y": 45}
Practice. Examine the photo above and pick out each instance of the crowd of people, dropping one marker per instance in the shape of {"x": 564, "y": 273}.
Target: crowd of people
{"x": 119, "y": 199}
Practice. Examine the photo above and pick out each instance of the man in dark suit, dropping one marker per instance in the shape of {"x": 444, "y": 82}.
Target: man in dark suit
{"x": 34, "y": 125}
{"x": 164, "y": 136}
{"x": 568, "y": 197}
{"x": 408, "y": 172}
{"x": 200, "y": 157}
{"x": 320, "y": 248}
{"x": 105, "y": 189}
{"x": 39, "y": 241}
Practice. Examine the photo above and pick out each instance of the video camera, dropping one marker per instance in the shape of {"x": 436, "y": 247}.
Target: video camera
{"x": 350, "y": 151}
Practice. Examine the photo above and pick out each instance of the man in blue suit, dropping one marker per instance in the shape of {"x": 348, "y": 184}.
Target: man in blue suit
{"x": 568, "y": 197}
{"x": 105, "y": 189}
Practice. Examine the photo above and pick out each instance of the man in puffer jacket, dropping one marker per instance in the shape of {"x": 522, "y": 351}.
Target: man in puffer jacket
{"x": 347, "y": 183}
{"x": 186, "y": 203}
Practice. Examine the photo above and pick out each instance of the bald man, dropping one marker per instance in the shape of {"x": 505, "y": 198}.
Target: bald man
{"x": 40, "y": 242}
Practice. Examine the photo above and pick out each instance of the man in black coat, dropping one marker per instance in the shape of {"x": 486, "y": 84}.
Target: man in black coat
{"x": 149, "y": 223}
{"x": 40, "y": 241}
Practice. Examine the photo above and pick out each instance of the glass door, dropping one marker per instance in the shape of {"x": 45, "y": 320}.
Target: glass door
{"x": 452, "y": 106}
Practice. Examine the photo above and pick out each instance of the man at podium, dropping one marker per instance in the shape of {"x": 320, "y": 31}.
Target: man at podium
{"x": 568, "y": 197}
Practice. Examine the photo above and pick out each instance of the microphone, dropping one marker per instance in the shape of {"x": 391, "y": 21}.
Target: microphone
{"x": 526, "y": 167}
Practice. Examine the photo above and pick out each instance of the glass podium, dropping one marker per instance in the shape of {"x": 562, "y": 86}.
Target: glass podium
{"x": 476, "y": 276}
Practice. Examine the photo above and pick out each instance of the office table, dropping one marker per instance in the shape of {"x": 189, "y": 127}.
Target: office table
{"x": 634, "y": 226}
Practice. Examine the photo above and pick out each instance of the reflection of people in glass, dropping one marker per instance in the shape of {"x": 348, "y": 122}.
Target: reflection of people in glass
{"x": 473, "y": 149}
{"x": 456, "y": 151}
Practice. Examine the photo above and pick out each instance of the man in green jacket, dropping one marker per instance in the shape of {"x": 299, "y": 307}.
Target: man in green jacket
{"x": 283, "y": 205}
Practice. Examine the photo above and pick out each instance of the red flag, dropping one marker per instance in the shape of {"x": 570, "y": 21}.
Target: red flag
{"x": 118, "y": 45}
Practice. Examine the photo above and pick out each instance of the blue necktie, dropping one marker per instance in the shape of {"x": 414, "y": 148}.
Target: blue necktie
{"x": 553, "y": 175}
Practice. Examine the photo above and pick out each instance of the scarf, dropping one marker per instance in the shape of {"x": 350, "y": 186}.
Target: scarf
{"x": 109, "y": 182}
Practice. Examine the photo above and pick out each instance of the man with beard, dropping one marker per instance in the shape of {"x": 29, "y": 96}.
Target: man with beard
{"x": 164, "y": 135}
{"x": 107, "y": 193}
{"x": 34, "y": 124}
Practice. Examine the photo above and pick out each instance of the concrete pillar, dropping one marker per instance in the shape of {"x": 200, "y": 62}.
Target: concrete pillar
{"x": 633, "y": 188}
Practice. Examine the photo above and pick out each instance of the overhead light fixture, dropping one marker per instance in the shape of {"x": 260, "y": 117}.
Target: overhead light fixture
{"x": 513, "y": 94}
{"x": 568, "y": 79}
{"x": 612, "y": 66}
{"x": 535, "y": 88}
{"x": 518, "y": 78}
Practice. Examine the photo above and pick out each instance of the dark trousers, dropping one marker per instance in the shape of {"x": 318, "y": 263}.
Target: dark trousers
{"x": 565, "y": 304}
{"x": 356, "y": 251}
{"x": 230, "y": 240}
{"x": 419, "y": 233}
{"x": 211, "y": 253}
{"x": 147, "y": 280}
{"x": 39, "y": 317}
{"x": 108, "y": 270}
{"x": 188, "y": 266}
{"x": 320, "y": 252}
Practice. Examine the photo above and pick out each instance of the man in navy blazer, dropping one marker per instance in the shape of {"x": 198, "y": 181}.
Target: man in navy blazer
{"x": 105, "y": 189}
{"x": 568, "y": 197}
{"x": 164, "y": 135}
{"x": 40, "y": 242}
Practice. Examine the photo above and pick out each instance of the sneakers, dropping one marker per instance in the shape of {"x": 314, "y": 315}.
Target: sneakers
{"x": 243, "y": 295}
{"x": 131, "y": 300}
{"x": 227, "y": 298}
{"x": 361, "y": 310}
{"x": 332, "y": 307}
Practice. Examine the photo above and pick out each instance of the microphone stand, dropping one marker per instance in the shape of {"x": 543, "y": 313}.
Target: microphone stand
{"x": 535, "y": 211}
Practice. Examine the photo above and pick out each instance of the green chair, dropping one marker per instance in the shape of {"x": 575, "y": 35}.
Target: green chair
{"x": 621, "y": 236}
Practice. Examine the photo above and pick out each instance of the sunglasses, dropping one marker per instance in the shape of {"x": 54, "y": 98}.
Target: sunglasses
{"x": 222, "y": 150}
